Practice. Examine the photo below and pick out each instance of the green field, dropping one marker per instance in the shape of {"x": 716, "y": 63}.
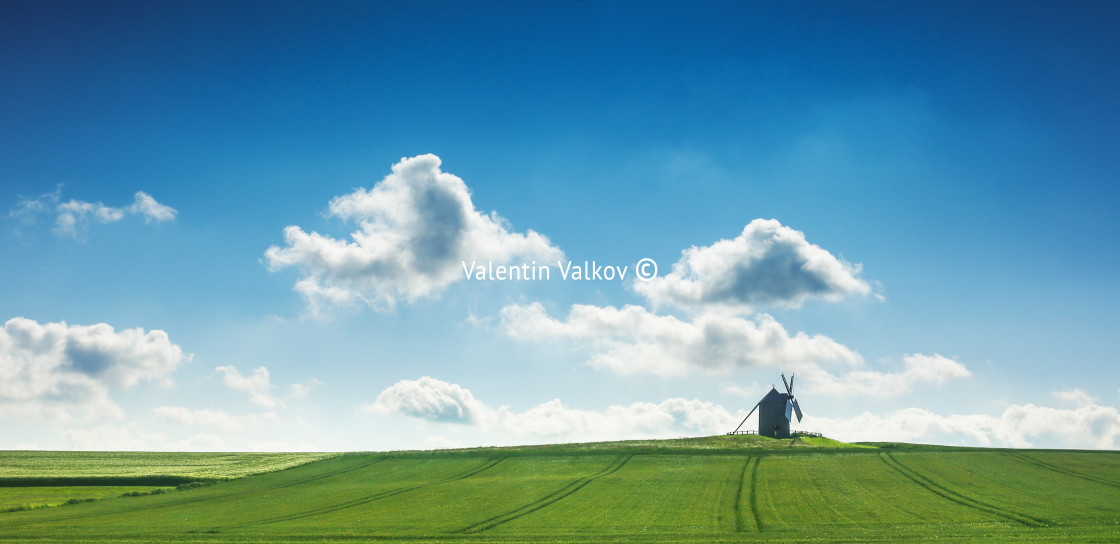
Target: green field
{"x": 716, "y": 489}
{"x": 34, "y": 479}
{"x": 16, "y": 465}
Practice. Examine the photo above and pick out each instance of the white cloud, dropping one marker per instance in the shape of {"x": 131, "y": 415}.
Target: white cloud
{"x": 932, "y": 369}
{"x": 1019, "y": 426}
{"x": 73, "y": 216}
{"x": 131, "y": 437}
{"x": 212, "y": 419}
{"x": 749, "y": 392}
{"x": 300, "y": 391}
{"x": 57, "y": 371}
{"x": 415, "y": 227}
{"x": 258, "y": 385}
{"x": 75, "y": 213}
{"x": 147, "y": 207}
{"x": 634, "y": 340}
{"x": 320, "y": 299}
{"x": 1076, "y": 396}
{"x": 28, "y": 209}
{"x": 436, "y": 400}
{"x": 428, "y": 398}
{"x": 111, "y": 437}
{"x": 767, "y": 265}
{"x": 672, "y": 417}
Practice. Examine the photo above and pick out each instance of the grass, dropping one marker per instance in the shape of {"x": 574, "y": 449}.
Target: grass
{"x": 39, "y": 479}
{"x": 25, "y": 498}
{"x": 713, "y": 489}
{"x": 708, "y": 445}
{"x": 46, "y": 467}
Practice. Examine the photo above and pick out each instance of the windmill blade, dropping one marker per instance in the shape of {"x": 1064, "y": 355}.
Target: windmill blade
{"x": 789, "y": 410}
{"x": 745, "y": 419}
{"x": 791, "y": 377}
{"x": 797, "y": 409}
{"x": 784, "y": 382}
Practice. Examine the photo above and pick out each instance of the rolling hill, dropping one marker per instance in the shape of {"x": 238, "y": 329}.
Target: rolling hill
{"x": 713, "y": 489}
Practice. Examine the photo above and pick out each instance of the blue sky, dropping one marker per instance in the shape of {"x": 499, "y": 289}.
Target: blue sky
{"x": 915, "y": 201}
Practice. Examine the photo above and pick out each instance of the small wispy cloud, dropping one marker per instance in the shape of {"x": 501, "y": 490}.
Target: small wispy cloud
{"x": 257, "y": 384}
{"x": 73, "y": 217}
{"x": 1076, "y": 397}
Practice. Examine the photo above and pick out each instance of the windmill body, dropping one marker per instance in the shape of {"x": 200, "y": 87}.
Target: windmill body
{"x": 775, "y": 411}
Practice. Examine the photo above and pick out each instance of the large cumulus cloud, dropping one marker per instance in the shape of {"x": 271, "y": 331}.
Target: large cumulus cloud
{"x": 767, "y": 265}
{"x": 415, "y": 228}
{"x": 61, "y": 371}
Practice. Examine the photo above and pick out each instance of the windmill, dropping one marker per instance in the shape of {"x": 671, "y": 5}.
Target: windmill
{"x": 775, "y": 411}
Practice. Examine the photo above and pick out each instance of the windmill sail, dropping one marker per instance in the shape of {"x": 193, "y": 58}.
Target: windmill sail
{"x": 792, "y": 400}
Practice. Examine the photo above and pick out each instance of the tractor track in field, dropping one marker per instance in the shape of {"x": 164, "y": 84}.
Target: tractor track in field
{"x": 949, "y": 494}
{"x": 740, "y": 522}
{"x": 546, "y": 500}
{"x": 739, "y": 497}
{"x": 195, "y": 500}
{"x": 360, "y": 501}
{"x": 1053, "y": 468}
{"x": 754, "y": 494}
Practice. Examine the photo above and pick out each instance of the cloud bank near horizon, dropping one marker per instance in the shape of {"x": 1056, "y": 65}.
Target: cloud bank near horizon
{"x": 439, "y": 401}
{"x": 1018, "y": 425}
{"x": 634, "y": 340}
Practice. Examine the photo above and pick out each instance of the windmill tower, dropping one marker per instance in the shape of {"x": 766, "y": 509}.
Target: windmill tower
{"x": 775, "y": 411}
